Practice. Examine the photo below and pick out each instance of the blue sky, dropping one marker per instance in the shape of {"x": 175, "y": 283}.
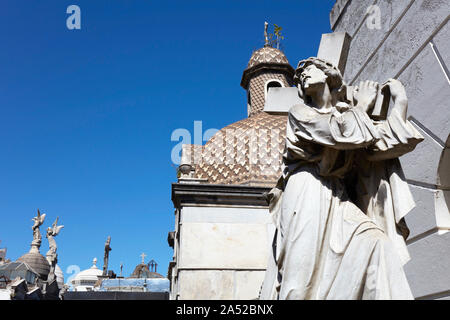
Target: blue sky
{"x": 87, "y": 115}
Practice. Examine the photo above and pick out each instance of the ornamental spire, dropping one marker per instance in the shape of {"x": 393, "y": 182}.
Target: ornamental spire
{"x": 266, "y": 36}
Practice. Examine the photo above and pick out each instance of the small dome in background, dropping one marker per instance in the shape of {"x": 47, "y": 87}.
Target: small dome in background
{"x": 266, "y": 59}
{"x": 59, "y": 276}
{"x": 87, "y": 278}
{"x": 267, "y": 55}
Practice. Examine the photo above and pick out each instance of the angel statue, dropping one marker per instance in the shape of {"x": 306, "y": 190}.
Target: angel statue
{"x": 52, "y": 232}
{"x": 37, "y": 238}
{"x": 340, "y": 203}
{"x": 52, "y": 257}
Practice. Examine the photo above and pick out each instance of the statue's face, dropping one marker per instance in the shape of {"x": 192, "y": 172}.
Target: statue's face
{"x": 312, "y": 77}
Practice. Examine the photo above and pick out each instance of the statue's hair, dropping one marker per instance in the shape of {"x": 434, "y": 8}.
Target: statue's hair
{"x": 334, "y": 77}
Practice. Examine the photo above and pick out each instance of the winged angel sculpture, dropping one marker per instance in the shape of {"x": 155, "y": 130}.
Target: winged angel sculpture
{"x": 52, "y": 232}
{"x": 340, "y": 203}
{"x": 38, "y": 221}
{"x": 52, "y": 257}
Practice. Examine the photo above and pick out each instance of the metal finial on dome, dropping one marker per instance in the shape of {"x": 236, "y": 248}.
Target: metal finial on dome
{"x": 266, "y": 37}
{"x": 94, "y": 262}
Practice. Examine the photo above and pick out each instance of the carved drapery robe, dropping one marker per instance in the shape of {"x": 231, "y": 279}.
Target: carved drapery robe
{"x": 339, "y": 207}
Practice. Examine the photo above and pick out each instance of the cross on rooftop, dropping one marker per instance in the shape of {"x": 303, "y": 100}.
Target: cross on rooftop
{"x": 143, "y": 255}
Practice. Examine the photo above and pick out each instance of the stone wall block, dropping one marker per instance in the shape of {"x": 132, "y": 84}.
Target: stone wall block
{"x": 368, "y": 38}
{"x": 428, "y": 93}
{"x": 352, "y": 16}
{"x": 418, "y": 24}
{"x": 206, "y": 284}
{"x": 427, "y": 152}
{"x": 422, "y": 218}
{"x": 223, "y": 246}
{"x": 247, "y": 284}
{"x": 442, "y": 42}
{"x": 428, "y": 270}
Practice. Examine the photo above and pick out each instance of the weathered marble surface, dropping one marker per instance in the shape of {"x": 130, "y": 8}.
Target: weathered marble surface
{"x": 340, "y": 204}
{"x": 413, "y": 44}
{"x": 219, "y": 284}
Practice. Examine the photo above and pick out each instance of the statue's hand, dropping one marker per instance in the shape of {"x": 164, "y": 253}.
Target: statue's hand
{"x": 366, "y": 94}
{"x": 397, "y": 89}
{"x": 398, "y": 94}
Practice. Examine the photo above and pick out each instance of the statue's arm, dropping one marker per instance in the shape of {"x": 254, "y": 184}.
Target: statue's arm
{"x": 398, "y": 136}
{"x": 398, "y": 94}
{"x": 347, "y": 130}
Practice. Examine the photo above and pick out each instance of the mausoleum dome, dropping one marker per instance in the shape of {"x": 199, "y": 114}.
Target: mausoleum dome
{"x": 247, "y": 152}
{"x": 87, "y": 278}
{"x": 268, "y": 67}
{"x": 266, "y": 58}
{"x": 267, "y": 55}
{"x": 37, "y": 262}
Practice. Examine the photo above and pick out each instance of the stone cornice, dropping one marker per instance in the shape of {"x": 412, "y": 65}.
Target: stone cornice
{"x": 216, "y": 194}
{"x": 274, "y": 67}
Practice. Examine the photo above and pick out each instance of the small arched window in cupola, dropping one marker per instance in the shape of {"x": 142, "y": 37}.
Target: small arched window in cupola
{"x": 272, "y": 83}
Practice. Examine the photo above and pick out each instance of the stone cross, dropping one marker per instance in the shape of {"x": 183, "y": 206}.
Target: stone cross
{"x": 143, "y": 255}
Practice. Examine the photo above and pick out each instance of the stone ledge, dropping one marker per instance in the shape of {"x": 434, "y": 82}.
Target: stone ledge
{"x": 217, "y": 194}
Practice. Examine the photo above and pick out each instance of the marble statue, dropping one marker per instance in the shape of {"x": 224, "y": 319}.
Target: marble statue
{"x": 52, "y": 232}
{"x": 340, "y": 203}
{"x": 37, "y": 238}
{"x": 51, "y": 255}
{"x": 106, "y": 256}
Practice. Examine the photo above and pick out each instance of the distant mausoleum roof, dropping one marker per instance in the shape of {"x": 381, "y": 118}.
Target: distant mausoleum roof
{"x": 142, "y": 271}
{"x": 12, "y": 270}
